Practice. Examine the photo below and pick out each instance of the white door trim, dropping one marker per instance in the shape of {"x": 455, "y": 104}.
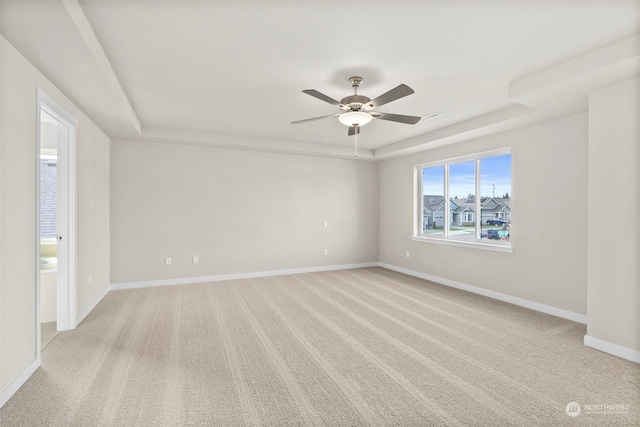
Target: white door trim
{"x": 67, "y": 242}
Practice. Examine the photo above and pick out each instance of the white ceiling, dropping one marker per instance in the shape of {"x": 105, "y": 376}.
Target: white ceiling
{"x": 232, "y": 73}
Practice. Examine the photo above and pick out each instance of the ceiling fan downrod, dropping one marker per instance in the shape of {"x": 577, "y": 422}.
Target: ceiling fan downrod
{"x": 355, "y": 83}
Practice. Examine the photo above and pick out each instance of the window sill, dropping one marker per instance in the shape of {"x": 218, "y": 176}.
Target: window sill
{"x": 460, "y": 243}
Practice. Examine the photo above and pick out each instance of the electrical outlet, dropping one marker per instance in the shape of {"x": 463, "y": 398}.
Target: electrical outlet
{"x": 167, "y": 261}
{"x": 326, "y": 251}
{"x": 195, "y": 259}
{"x": 89, "y": 279}
{"x": 407, "y": 254}
{"x": 326, "y": 224}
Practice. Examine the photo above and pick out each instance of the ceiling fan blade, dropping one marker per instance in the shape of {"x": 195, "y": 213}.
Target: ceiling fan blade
{"x": 322, "y": 96}
{"x": 395, "y": 93}
{"x": 314, "y": 118}
{"x": 353, "y": 130}
{"x": 410, "y": 120}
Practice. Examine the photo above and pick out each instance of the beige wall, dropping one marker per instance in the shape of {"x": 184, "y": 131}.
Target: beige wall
{"x": 614, "y": 228}
{"x": 20, "y": 81}
{"x": 549, "y": 232}
{"x": 93, "y": 213}
{"x": 238, "y": 211}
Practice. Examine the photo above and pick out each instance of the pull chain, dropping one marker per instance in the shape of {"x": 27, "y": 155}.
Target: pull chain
{"x": 355, "y": 154}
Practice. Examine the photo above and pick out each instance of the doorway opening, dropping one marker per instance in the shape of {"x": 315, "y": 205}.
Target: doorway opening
{"x": 56, "y": 245}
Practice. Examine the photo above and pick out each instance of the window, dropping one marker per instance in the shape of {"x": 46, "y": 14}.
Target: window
{"x": 433, "y": 203}
{"x": 466, "y": 201}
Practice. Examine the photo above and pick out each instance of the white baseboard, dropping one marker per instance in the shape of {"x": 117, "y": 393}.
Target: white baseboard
{"x": 93, "y": 305}
{"x": 611, "y": 348}
{"x": 565, "y": 314}
{"x": 217, "y": 278}
{"x": 18, "y": 382}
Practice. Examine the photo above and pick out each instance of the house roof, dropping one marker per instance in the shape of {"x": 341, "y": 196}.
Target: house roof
{"x": 489, "y": 204}
{"x": 496, "y": 204}
{"x": 432, "y": 203}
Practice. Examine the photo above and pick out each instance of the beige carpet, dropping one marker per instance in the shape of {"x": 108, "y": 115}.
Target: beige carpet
{"x": 354, "y": 347}
{"x": 48, "y": 331}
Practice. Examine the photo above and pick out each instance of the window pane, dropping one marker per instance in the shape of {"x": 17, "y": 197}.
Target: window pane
{"x": 433, "y": 200}
{"x": 462, "y": 189}
{"x": 495, "y": 185}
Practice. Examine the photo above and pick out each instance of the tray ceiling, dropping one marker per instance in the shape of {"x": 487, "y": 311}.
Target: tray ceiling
{"x": 232, "y": 73}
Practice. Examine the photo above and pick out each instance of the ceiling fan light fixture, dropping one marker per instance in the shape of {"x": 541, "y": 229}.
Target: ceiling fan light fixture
{"x": 355, "y": 118}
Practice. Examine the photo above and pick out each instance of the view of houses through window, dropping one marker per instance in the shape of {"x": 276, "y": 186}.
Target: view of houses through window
{"x": 467, "y": 199}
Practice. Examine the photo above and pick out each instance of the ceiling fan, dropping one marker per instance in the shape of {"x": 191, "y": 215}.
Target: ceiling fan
{"x": 357, "y": 110}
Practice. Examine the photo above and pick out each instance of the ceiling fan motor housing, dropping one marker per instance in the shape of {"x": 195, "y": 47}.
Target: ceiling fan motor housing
{"x": 354, "y": 103}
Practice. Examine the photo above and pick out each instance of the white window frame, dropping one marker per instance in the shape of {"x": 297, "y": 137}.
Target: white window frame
{"x": 444, "y": 238}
